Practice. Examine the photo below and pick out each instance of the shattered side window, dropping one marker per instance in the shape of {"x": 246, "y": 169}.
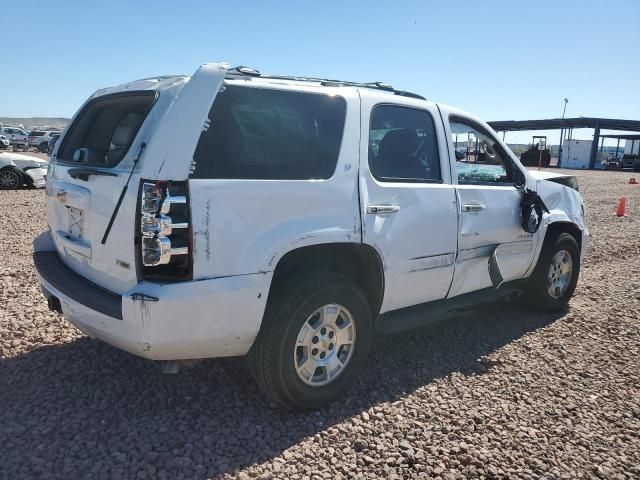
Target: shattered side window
{"x": 478, "y": 160}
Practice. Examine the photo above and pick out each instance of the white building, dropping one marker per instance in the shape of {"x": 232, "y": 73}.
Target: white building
{"x": 632, "y": 147}
{"x": 576, "y": 154}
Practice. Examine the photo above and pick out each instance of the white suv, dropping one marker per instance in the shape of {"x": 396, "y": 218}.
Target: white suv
{"x": 232, "y": 213}
{"x": 17, "y": 136}
{"x": 40, "y": 139}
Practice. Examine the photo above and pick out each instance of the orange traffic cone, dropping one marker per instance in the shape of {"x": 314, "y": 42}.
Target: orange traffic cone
{"x": 632, "y": 181}
{"x": 622, "y": 205}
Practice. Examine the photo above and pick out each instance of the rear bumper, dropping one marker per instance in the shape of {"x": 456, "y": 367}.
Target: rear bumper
{"x": 174, "y": 321}
{"x": 69, "y": 284}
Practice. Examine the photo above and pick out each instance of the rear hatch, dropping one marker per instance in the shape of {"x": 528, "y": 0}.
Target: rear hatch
{"x": 144, "y": 130}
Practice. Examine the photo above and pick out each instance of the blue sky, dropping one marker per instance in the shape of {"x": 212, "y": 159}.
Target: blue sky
{"x": 498, "y": 59}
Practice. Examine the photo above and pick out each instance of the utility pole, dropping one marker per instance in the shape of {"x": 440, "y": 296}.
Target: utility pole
{"x": 566, "y": 100}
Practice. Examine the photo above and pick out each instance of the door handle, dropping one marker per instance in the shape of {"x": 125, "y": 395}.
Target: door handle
{"x": 374, "y": 209}
{"x": 473, "y": 207}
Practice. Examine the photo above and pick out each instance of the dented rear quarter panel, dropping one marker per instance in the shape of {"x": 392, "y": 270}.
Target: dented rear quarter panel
{"x": 224, "y": 317}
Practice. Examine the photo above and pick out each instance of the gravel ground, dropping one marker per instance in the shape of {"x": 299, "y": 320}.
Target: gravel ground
{"x": 31, "y": 153}
{"x": 498, "y": 393}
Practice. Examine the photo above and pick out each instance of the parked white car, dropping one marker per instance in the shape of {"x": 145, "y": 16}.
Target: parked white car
{"x": 232, "y": 213}
{"x": 17, "y": 136}
{"x": 17, "y": 170}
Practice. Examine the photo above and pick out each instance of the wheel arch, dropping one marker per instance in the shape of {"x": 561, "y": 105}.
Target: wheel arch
{"x": 359, "y": 262}
{"x": 560, "y": 223}
{"x": 564, "y": 226}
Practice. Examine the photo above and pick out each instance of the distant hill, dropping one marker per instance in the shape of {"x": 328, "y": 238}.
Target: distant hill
{"x": 56, "y": 122}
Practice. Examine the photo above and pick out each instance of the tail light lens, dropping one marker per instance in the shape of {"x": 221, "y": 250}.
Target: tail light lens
{"x": 164, "y": 233}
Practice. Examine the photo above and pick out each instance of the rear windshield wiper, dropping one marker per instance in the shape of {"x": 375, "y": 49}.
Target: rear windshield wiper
{"x": 143, "y": 145}
{"x": 83, "y": 173}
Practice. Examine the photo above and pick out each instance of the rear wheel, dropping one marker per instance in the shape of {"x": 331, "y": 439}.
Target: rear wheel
{"x": 43, "y": 147}
{"x": 314, "y": 340}
{"x": 555, "y": 277}
{"x": 10, "y": 179}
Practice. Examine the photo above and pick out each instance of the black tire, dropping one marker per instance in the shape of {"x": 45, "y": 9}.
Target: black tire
{"x": 536, "y": 293}
{"x": 271, "y": 358}
{"x": 43, "y": 147}
{"x": 10, "y": 179}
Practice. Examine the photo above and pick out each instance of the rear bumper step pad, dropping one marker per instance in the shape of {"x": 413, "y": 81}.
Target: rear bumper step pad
{"x": 76, "y": 287}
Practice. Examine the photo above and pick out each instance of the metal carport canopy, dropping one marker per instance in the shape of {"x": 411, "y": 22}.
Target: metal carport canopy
{"x": 623, "y": 136}
{"x": 566, "y": 123}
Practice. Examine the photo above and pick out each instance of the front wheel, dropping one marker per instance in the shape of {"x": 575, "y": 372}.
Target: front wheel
{"x": 314, "y": 340}
{"x": 10, "y": 179}
{"x": 555, "y": 277}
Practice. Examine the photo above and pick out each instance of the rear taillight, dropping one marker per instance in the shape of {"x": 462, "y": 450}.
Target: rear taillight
{"x": 164, "y": 233}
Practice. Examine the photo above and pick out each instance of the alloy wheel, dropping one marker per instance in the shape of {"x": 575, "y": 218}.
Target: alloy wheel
{"x": 324, "y": 345}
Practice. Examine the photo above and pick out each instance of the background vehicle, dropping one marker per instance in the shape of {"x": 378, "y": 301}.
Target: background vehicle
{"x": 17, "y": 136}
{"x": 53, "y": 138}
{"x": 17, "y": 170}
{"x": 310, "y": 215}
{"x": 537, "y": 153}
{"x": 630, "y": 162}
{"x": 611, "y": 162}
{"x": 4, "y": 142}
{"x": 40, "y": 139}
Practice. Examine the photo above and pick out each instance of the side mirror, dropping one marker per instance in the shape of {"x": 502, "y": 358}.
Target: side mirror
{"x": 519, "y": 181}
{"x": 460, "y": 155}
{"x": 489, "y": 150}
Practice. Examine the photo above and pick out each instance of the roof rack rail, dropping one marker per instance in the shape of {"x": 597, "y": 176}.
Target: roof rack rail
{"x": 243, "y": 71}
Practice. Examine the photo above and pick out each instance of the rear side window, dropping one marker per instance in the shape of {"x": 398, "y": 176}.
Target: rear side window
{"x": 105, "y": 128}
{"x": 403, "y": 145}
{"x": 258, "y": 133}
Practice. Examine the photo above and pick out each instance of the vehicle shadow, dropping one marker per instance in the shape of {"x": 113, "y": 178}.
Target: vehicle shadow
{"x": 85, "y": 409}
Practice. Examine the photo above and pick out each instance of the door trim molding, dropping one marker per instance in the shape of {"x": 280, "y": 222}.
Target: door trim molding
{"x": 432, "y": 261}
{"x": 519, "y": 247}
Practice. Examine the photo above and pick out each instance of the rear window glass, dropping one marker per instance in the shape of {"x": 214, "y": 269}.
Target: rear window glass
{"x": 258, "y": 133}
{"x": 36, "y": 134}
{"x": 106, "y": 128}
